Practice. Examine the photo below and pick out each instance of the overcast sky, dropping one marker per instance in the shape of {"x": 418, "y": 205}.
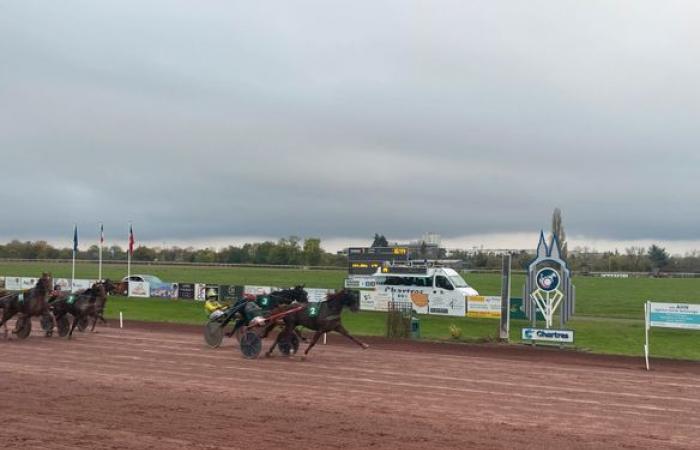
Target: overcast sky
{"x": 203, "y": 121}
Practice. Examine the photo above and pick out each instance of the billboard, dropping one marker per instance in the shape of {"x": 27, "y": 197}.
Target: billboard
{"x": 13, "y": 283}
{"x": 139, "y": 289}
{"x": 674, "y": 315}
{"x": 556, "y": 336}
{"x": 480, "y": 306}
{"x": 163, "y": 290}
{"x": 185, "y": 290}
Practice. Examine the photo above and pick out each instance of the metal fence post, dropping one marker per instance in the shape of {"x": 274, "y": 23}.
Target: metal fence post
{"x": 504, "y": 331}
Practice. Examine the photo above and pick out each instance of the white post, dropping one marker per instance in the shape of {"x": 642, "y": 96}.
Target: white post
{"x": 121, "y": 320}
{"x": 324, "y": 338}
{"x": 647, "y": 307}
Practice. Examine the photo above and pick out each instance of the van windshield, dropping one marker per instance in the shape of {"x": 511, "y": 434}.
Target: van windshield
{"x": 458, "y": 281}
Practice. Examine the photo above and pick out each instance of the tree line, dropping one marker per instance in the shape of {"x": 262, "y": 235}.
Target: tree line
{"x": 286, "y": 251}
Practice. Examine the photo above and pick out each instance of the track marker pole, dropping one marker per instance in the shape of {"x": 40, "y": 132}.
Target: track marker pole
{"x": 647, "y": 307}
{"x": 121, "y": 320}
{"x": 324, "y": 338}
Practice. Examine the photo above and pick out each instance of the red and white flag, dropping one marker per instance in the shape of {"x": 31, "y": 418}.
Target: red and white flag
{"x": 131, "y": 240}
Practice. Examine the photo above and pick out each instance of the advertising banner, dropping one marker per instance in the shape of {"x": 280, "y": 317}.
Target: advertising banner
{"x": 139, "y": 289}
{"x": 163, "y": 290}
{"x": 230, "y": 292}
{"x": 81, "y": 285}
{"x": 374, "y": 301}
{"x": 558, "y": 336}
{"x": 257, "y": 290}
{"x": 200, "y": 292}
{"x": 317, "y": 295}
{"x": 674, "y": 315}
{"x": 481, "y": 306}
{"x": 63, "y": 284}
{"x": 448, "y": 304}
{"x": 28, "y": 282}
{"x": 417, "y": 297}
{"x": 360, "y": 283}
{"x": 13, "y": 283}
{"x": 185, "y": 290}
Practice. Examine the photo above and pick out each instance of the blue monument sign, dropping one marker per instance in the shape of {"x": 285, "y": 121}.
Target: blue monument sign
{"x": 548, "y": 286}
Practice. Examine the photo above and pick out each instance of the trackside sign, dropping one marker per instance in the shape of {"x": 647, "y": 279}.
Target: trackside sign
{"x": 674, "y": 315}
{"x": 538, "y": 334}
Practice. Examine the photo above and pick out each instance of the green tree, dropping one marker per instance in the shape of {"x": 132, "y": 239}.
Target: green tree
{"x": 658, "y": 257}
{"x": 312, "y": 251}
{"x": 379, "y": 241}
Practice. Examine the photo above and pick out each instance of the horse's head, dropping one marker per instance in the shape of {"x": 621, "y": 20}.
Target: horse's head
{"x": 348, "y": 298}
{"x": 110, "y": 287}
{"x": 45, "y": 282}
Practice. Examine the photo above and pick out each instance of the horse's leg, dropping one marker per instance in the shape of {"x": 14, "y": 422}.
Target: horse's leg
{"x": 341, "y": 329}
{"x": 76, "y": 319}
{"x": 7, "y": 314}
{"x": 274, "y": 344}
{"x": 313, "y": 342}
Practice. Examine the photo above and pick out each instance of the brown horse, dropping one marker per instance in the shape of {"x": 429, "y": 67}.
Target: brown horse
{"x": 101, "y": 301}
{"x": 322, "y": 318}
{"x": 29, "y": 303}
{"x": 82, "y": 306}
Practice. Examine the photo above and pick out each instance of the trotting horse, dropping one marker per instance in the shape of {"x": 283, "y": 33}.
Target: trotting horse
{"x": 29, "y": 303}
{"x": 101, "y": 301}
{"x": 82, "y": 306}
{"x": 321, "y": 317}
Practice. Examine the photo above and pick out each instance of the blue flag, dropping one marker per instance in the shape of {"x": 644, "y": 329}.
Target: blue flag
{"x": 75, "y": 239}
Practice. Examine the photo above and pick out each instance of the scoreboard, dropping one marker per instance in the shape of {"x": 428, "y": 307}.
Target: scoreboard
{"x": 366, "y": 260}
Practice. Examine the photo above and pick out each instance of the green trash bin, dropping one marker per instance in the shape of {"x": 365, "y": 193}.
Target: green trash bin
{"x": 415, "y": 327}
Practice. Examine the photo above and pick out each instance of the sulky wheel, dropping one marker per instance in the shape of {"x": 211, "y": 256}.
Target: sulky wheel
{"x": 289, "y": 346}
{"x": 213, "y": 333}
{"x": 83, "y": 324}
{"x": 23, "y": 327}
{"x": 63, "y": 326}
{"x": 251, "y": 345}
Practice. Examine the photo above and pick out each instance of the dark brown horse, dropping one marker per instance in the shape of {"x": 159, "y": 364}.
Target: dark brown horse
{"x": 30, "y": 303}
{"x": 321, "y": 317}
{"x": 101, "y": 301}
{"x": 81, "y": 306}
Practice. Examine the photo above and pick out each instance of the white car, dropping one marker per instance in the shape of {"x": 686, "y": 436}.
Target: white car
{"x": 151, "y": 279}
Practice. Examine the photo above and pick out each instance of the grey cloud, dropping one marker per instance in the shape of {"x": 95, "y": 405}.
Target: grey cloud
{"x": 312, "y": 118}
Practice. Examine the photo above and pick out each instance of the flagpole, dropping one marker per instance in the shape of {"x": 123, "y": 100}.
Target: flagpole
{"x": 99, "y": 276}
{"x": 75, "y": 248}
{"x": 128, "y": 254}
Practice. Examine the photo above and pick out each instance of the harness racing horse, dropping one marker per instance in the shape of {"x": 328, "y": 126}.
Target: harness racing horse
{"x": 29, "y": 303}
{"x": 101, "y": 301}
{"x": 321, "y": 317}
{"x": 81, "y": 305}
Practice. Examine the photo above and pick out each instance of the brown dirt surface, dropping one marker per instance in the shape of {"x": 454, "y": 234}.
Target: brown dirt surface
{"x": 155, "y": 386}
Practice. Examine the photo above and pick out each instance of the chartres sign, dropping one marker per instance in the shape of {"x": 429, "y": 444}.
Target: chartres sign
{"x": 558, "y": 336}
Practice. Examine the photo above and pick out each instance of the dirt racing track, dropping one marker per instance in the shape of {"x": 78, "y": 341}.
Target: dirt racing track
{"x": 159, "y": 387}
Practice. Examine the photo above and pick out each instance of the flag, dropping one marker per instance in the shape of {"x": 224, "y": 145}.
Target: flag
{"x": 75, "y": 239}
{"x": 102, "y": 234}
{"x": 131, "y": 240}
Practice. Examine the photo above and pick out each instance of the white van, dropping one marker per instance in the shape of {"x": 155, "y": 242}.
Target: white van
{"x": 431, "y": 290}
